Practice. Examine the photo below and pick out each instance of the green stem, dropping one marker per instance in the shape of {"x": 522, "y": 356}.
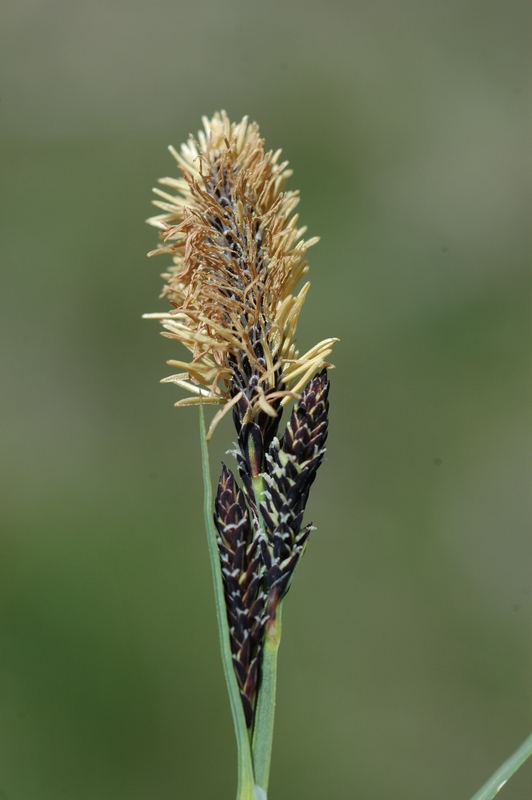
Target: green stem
{"x": 265, "y": 713}
{"x": 499, "y": 778}
{"x": 265, "y": 710}
{"x": 245, "y": 765}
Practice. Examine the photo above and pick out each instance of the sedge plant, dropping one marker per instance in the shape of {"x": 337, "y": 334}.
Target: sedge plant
{"x": 237, "y": 258}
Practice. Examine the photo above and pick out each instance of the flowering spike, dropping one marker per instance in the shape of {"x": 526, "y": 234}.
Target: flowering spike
{"x": 238, "y": 256}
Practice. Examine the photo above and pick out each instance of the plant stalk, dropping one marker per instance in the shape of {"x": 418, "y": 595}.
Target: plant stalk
{"x": 265, "y": 713}
{"x": 499, "y": 778}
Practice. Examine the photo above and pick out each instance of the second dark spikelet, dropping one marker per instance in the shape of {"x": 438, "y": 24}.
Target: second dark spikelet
{"x": 291, "y": 467}
{"x": 243, "y": 574}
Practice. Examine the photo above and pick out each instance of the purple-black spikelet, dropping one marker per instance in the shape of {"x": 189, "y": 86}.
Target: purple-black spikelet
{"x": 243, "y": 573}
{"x": 261, "y": 547}
{"x": 290, "y": 470}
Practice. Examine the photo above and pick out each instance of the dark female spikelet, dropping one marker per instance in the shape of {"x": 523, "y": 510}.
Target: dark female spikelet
{"x": 243, "y": 574}
{"x": 291, "y": 467}
{"x": 238, "y": 256}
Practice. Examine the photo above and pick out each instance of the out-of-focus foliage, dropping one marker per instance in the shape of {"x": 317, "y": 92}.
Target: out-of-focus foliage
{"x": 405, "y": 663}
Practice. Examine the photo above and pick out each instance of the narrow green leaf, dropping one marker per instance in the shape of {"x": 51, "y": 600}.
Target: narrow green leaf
{"x": 499, "y": 778}
{"x": 245, "y": 767}
{"x": 265, "y": 713}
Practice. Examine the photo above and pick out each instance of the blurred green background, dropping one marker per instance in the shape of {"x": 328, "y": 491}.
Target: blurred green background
{"x": 405, "y": 663}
